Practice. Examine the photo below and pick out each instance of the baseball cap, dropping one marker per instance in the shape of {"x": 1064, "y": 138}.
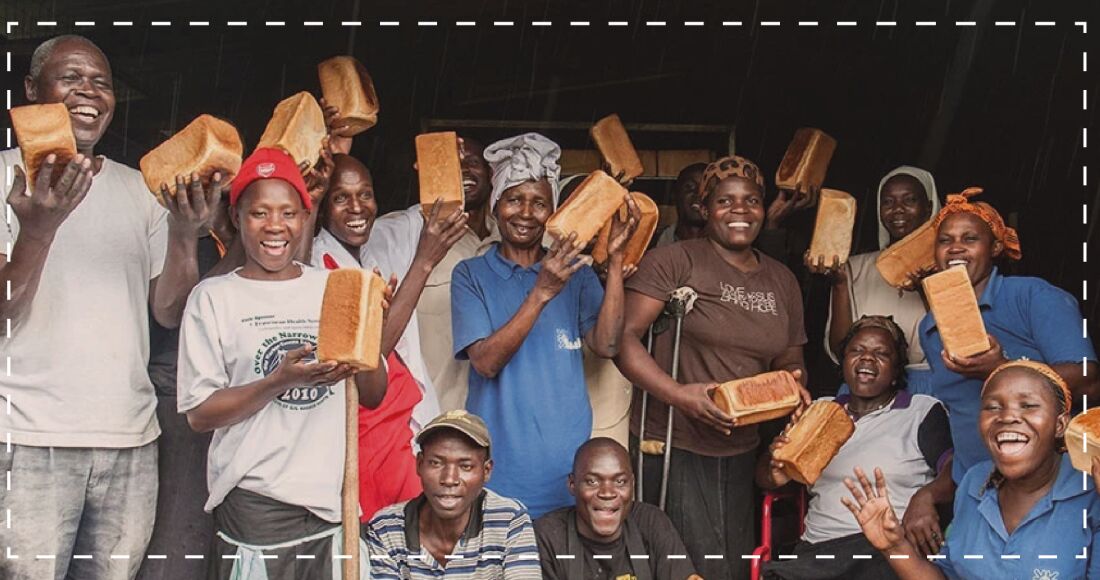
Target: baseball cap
{"x": 269, "y": 163}
{"x": 464, "y": 422}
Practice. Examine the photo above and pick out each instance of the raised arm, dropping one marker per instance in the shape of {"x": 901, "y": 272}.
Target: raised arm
{"x": 606, "y": 336}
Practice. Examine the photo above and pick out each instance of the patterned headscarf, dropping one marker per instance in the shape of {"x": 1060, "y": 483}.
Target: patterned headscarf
{"x": 527, "y": 157}
{"x": 1053, "y": 379}
{"x": 731, "y": 166}
{"x": 960, "y": 203}
{"x": 901, "y": 345}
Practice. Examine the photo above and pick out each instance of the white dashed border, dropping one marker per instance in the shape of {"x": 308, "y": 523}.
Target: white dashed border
{"x": 9, "y": 25}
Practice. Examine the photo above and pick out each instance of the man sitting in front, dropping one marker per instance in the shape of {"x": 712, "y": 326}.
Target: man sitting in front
{"x": 608, "y": 535}
{"x": 456, "y": 527}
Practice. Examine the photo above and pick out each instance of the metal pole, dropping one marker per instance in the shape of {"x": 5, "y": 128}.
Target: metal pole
{"x": 641, "y": 426}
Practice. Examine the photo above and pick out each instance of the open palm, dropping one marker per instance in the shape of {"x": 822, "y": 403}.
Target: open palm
{"x": 872, "y": 509}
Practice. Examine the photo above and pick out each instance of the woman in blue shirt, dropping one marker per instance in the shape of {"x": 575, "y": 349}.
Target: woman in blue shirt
{"x": 520, "y": 313}
{"x": 1025, "y": 317}
{"x": 1025, "y": 514}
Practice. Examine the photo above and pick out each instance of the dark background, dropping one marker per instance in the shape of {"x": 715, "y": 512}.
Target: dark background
{"x": 995, "y": 106}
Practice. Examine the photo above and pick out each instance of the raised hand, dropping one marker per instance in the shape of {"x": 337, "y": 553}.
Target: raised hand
{"x": 317, "y": 177}
{"x": 834, "y": 270}
{"x": 978, "y": 366}
{"x": 873, "y": 511}
{"x": 558, "y": 266}
{"x": 194, "y": 205}
{"x": 336, "y": 129}
{"x": 621, "y": 230}
{"x": 440, "y": 234}
{"x": 43, "y": 211}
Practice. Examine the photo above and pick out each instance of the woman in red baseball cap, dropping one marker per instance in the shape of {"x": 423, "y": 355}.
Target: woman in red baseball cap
{"x": 247, "y": 372}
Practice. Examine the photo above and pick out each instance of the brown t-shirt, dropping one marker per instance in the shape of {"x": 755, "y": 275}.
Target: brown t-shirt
{"x": 740, "y": 323}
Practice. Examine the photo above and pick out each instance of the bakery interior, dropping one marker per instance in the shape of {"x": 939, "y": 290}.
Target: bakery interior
{"x": 997, "y": 106}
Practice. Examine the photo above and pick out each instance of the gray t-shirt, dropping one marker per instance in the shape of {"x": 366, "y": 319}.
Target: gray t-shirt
{"x": 78, "y": 355}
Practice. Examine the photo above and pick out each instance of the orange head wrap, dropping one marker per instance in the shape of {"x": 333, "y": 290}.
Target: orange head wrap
{"x": 731, "y": 166}
{"x": 960, "y": 203}
{"x": 1058, "y": 384}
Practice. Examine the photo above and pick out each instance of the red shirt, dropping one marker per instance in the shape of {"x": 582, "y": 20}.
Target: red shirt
{"x": 387, "y": 466}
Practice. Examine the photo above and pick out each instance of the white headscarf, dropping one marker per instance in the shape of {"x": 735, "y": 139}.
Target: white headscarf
{"x": 528, "y": 157}
{"x": 925, "y": 178}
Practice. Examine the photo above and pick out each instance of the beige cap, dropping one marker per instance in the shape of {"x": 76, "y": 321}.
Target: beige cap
{"x": 462, "y": 421}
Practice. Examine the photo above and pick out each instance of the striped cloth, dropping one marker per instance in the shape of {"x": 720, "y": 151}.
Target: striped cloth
{"x": 499, "y": 543}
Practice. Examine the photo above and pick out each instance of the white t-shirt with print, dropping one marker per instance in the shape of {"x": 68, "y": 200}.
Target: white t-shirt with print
{"x": 236, "y": 331}
{"x": 79, "y": 353}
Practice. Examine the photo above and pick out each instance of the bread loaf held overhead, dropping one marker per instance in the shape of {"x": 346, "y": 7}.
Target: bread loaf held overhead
{"x": 836, "y": 218}
{"x": 346, "y": 85}
{"x": 758, "y": 398}
{"x": 41, "y": 130}
{"x": 955, "y": 309}
{"x": 805, "y": 163}
{"x": 351, "y": 318}
{"x": 586, "y": 211}
{"x": 297, "y": 127}
{"x": 913, "y": 253}
{"x": 205, "y": 146}
{"x": 615, "y": 146}
{"x": 814, "y": 440}
{"x": 440, "y": 172}
{"x": 639, "y": 240}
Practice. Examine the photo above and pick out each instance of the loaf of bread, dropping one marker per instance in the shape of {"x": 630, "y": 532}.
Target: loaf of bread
{"x": 346, "y": 85}
{"x": 758, "y": 398}
{"x": 913, "y": 253}
{"x": 351, "y": 318}
{"x": 41, "y": 130}
{"x": 1083, "y": 439}
{"x": 440, "y": 172}
{"x": 805, "y": 163}
{"x": 588, "y": 209}
{"x": 297, "y": 127}
{"x": 615, "y": 146}
{"x": 639, "y": 240}
{"x": 815, "y": 439}
{"x": 205, "y": 146}
{"x": 955, "y": 310}
{"x": 836, "y": 218}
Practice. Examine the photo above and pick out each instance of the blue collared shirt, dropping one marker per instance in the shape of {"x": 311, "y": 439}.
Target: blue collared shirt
{"x": 537, "y": 407}
{"x": 1030, "y": 318}
{"x": 1054, "y": 540}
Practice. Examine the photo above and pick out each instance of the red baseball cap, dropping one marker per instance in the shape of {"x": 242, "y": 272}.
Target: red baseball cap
{"x": 269, "y": 163}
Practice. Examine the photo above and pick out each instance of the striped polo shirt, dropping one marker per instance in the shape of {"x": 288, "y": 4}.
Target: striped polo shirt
{"x": 499, "y": 543}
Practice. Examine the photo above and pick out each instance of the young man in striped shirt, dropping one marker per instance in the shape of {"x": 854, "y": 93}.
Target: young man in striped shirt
{"x": 456, "y": 528}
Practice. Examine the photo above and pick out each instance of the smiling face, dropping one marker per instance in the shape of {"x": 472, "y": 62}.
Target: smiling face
{"x": 1020, "y": 422}
{"x": 477, "y": 184}
{"x": 871, "y": 363}
{"x": 735, "y": 213}
{"x": 903, "y": 206}
{"x": 603, "y": 487}
{"x": 453, "y": 470}
{"x": 270, "y": 217}
{"x": 686, "y": 192}
{"x": 349, "y": 205}
{"x": 964, "y": 239}
{"x": 78, "y": 75}
{"x": 522, "y": 212}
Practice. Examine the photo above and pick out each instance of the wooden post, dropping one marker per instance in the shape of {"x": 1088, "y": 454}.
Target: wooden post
{"x": 351, "y": 480}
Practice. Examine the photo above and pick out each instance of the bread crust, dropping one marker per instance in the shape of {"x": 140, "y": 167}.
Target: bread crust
{"x": 806, "y": 161}
{"x": 350, "y": 330}
{"x": 618, "y": 151}
{"x": 639, "y": 240}
{"x": 297, "y": 127}
{"x": 41, "y": 130}
{"x": 588, "y": 209}
{"x": 913, "y": 253}
{"x": 955, "y": 309}
{"x": 758, "y": 398}
{"x": 205, "y": 146}
{"x": 346, "y": 85}
{"x": 814, "y": 440}
{"x": 836, "y": 218}
{"x": 440, "y": 172}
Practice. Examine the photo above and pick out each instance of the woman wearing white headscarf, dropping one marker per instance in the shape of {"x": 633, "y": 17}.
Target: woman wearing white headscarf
{"x": 520, "y": 313}
{"x": 906, "y": 200}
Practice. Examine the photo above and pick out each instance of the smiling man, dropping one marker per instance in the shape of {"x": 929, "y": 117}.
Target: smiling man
{"x": 83, "y": 260}
{"x": 597, "y": 538}
{"x": 456, "y": 528}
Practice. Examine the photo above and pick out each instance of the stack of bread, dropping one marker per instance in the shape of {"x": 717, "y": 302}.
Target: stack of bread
{"x": 205, "y": 146}
{"x": 440, "y": 172}
{"x": 41, "y": 130}
{"x": 758, "y": 398}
